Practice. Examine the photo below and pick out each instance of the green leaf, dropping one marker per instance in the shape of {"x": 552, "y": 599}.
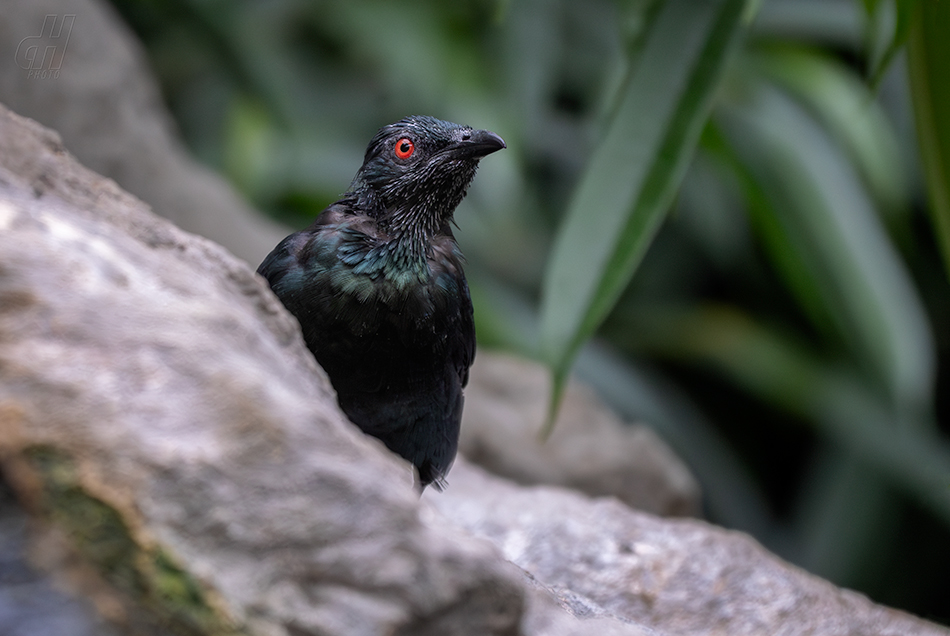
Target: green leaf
{"x": 770, "y": 365}
{"x": 929, "y": 62}
{"x": 842, "y": 407}
{"x": 829, "y": 243}
{"x": 630, "y": 180}
{"x": 881, "y": 54}
{"x": 847, "y": 109}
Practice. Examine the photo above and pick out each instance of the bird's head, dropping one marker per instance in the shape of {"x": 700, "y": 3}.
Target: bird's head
{"x": 416, "y": 172}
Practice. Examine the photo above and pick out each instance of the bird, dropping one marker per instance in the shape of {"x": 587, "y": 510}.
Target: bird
{"x": 377, "y": 285}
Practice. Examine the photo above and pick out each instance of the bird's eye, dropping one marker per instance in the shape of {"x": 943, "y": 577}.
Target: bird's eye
{"x": 404, "y": 148}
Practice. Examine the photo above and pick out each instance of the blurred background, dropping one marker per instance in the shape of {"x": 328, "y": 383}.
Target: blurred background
{"x": 715, "y": 213}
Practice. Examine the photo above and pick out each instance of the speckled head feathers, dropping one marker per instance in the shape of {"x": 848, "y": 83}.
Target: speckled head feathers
{"x": 417, "y": 169}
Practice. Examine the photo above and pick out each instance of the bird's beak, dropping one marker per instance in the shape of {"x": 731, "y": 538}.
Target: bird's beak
{"x": 478, "y": 143}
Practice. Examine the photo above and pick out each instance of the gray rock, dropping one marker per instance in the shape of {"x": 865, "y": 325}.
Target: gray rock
{"x": 682, "y": 577}
{"x": 159, "y": 410}
{"x": 590, "y": 449}
{"x": 105, "y": 103}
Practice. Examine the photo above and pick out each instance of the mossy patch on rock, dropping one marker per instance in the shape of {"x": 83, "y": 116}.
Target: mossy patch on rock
{"x": 146, "y": 576}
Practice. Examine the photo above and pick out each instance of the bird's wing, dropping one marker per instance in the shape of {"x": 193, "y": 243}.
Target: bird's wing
{"x": 466, "y": 353}
{"x": 452, "y": 298}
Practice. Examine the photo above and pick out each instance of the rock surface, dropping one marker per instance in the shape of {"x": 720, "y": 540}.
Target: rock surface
{"x": 682, "y": 577}
{"x": 105, "y": 103}
{"x": 30, "y": 604}
{"x": 590, "y": 449}
{"x": 157, "y": 405}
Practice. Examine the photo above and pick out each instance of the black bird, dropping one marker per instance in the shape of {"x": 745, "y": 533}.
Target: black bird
{"x": 377, "y": 285}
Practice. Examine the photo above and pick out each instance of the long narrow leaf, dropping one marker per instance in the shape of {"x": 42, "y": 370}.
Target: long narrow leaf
{"x": 838, "y": 243}
{"x": 779, "y": 370}
{"x": 631, "y": 178}
{"x": 882, "y": 53}
{"x": 846, "y": 107}
{"x": 929, "y": 63}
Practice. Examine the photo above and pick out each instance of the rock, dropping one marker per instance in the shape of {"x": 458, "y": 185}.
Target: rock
{"x": 590, "y": 449}
{"x": 683, "y": 577}
{"x": 106, "y": 104}
{"x": 158, "y": 405}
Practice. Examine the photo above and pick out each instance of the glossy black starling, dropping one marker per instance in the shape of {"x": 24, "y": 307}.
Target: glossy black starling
{"x": 377, "y": 286}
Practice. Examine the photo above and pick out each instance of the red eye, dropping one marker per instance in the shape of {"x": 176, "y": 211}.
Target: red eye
{"x": 404, "y": 148}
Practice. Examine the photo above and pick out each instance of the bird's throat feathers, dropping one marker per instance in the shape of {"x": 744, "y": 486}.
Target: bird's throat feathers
{"x": 413, "y": 203}
{"x": 408, "y": 216}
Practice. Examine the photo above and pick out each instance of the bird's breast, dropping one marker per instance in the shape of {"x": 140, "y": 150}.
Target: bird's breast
{"x": 370, "y": 285}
